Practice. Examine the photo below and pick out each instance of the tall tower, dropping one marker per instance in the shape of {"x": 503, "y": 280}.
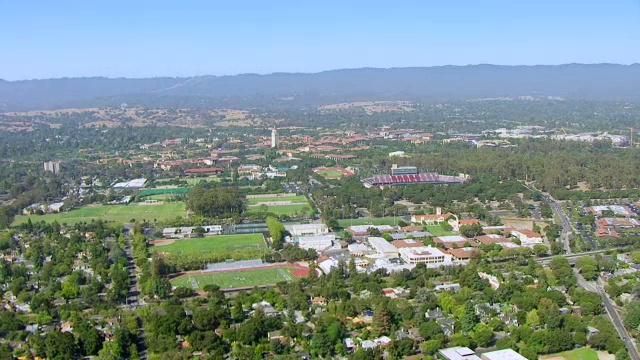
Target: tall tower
{"x": 275, "y": 141}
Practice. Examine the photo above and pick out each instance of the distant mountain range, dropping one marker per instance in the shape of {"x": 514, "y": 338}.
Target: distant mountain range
{"x": 444, "y": 83}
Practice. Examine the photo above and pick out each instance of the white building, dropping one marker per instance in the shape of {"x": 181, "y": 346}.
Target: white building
{"x": 187, "y": 231}
{"x": 316, "y": 242}
{"x": 506, "y": 354}
{"x": 307, "y": 229}
{"x": 396, "y": 153}
{"x": 131, "y": 184}
{"x": 458, "y": 353}
{"x": 428, "y": 255}
{"x": 527, "y": 237}
{"x": 52, "y": 166}
{"x": 327, "y": 265}
{"x": 383, "y": 247}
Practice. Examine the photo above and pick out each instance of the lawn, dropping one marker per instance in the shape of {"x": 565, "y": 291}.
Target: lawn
{"x": 370, "y": 221}
{"x": 234, "y": 279}
{"x": 437, "y": 230}
{"x": 577, "y": 354}
{"x": 330, "y": 174}
{"x": 212, "y": 244}
{"x": 196, "y": 180}
{"x": 281, "y": 209}
{"x": 293, "y": 199}
{"x": 118, "y": 213}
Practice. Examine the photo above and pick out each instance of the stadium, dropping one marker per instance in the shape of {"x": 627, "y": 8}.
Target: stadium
{"x": 409, "y": 175}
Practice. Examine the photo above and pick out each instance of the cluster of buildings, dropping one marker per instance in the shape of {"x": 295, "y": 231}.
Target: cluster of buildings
{"x": 612, "y": 219}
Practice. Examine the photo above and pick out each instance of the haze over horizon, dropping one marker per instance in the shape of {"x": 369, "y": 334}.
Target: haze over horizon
{"x": 157, "y": 39}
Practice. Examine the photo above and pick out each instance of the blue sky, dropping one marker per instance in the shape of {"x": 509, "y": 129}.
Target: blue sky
{"x": 139, "y": 38}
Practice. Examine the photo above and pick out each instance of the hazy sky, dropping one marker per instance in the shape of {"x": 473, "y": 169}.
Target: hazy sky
{"x": 139, "y": 38}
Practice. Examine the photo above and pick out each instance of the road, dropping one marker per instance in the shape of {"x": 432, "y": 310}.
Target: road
{"x": 565, "y": 222}
{"x": 558, "y": 210}
{"x": 610, "y": 307}
{"x": 574, "y": 255}
{"x": 133, "y": 298}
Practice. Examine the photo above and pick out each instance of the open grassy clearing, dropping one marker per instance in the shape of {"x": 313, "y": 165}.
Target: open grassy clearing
{"x": 293, "y": 199}
{"x": 370, "y": 221}
{"x": 234, "y": 279}
{"x": 281, "y": 209}
{"x": 437, "y": 230}
{"x": 212, "y": 244}
{"x": 118, "y": 213}
{"x": 577, "y": 354}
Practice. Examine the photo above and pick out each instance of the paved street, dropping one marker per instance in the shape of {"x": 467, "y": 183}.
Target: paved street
{"x": 133, "y": 298}
{"x": 598, "y": 287}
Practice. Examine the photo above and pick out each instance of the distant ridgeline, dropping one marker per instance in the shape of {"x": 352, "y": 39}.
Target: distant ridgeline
{"x": 572, "y": 81}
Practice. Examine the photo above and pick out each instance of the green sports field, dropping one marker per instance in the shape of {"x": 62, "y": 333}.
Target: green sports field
{"x": 149, "y": 192}
{"x": 330, "y": 174}
{"x": 212, "y": 244}
{"x": 235, "y": 279}
{"x": 280, "y": 209}
{"x": 370, "y": 221}
{"x": 293, "y": 199}
{"x": 118, "y": 213}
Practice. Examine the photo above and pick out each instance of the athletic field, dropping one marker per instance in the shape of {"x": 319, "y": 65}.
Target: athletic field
{"x": 577, "y": 354}
{"x": 370, "y": 221}
{"x": 330, "y": 174}
{"x": 149, "y": 192}
{"x": 281, "y": 209}
{"x": 236, "y": 279}
{"x": 118, "y": 213}
{"x": 210, "y": 244}
{"x": 292, "y": 199}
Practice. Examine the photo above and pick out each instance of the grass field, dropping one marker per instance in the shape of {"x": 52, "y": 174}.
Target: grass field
{"x": 234, "y": 279}
{"x": 196, "y": 180}
{"x": 577, "y": 354}
{"x": 160, "y": 197}
{"x": 118, "y": 213}
{"x": 280, "y": 209}
{"x": 330, "y": 174}
{"x": 370, "y": 221}
{"x": 212, "y": 244}
{"x": 293, "y": 199}
{"x": 437, "y": 230}
{"x": 149, "y": 192}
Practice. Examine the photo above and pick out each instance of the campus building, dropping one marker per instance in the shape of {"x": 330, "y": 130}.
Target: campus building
{"x": 425, "y": 255}
{"x": 307, "y": 229}
{"x": 383, "y": 247}
{"x": 316, "y": 242}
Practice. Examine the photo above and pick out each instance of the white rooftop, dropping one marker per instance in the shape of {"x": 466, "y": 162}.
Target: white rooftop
{"x": 364, "y": 228}
{"x": 135, "y": 183}
{"x": 422, "y": 251}
{"x": 458, "y": 353}
{"x": 452, "y": 238}
{"x": 506, "y": 354}
{"x": 381, "y": 245}
{"x": 305, "y": 226}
